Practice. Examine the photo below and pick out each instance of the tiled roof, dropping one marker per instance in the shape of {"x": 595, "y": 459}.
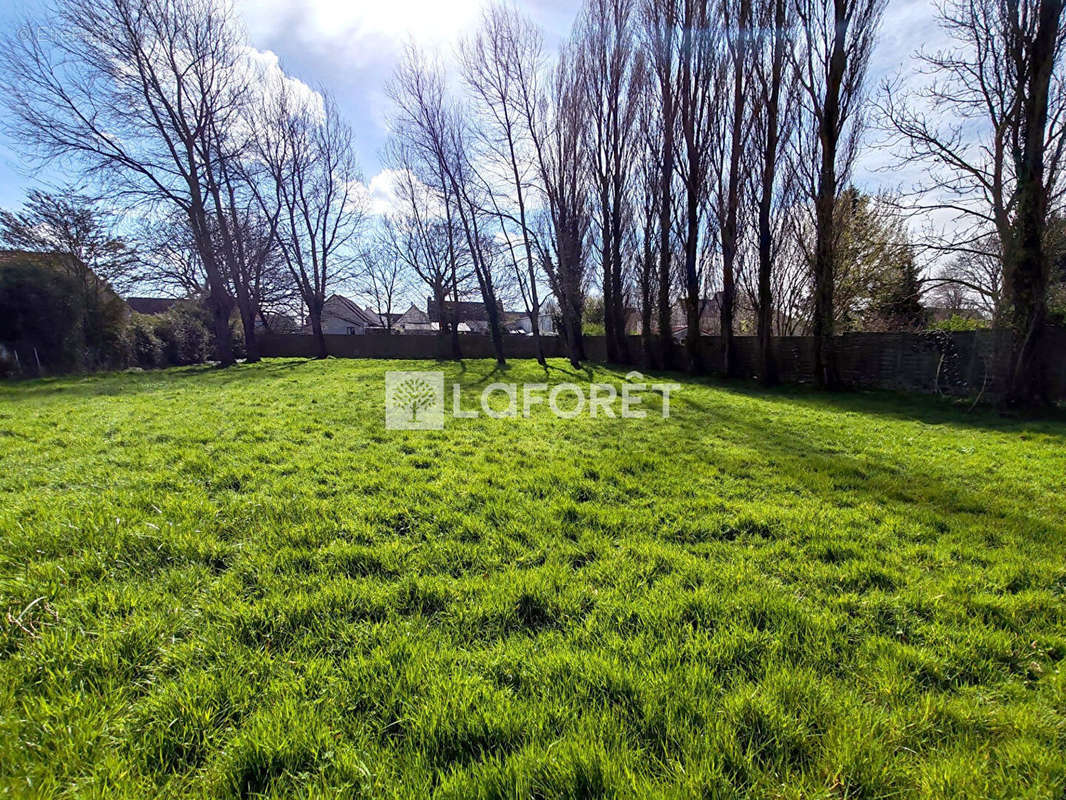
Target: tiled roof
{"x": 347, "y": 310}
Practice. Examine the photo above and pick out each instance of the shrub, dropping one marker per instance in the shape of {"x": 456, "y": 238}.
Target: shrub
{"x": 145, "y": 348}
{"x": 957, "y": 322}
{"x": 184, "y": 334}
{"x": 66, "y": 320}
{"x": 1057, "y": 303}
{"x": 40, "y": 318}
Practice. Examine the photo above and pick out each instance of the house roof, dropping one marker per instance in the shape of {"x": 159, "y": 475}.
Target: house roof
{"x": 150, "y": 305}
{"x": 343, "y": 308}
{"x": 413, "y": 316}
{"x": 464, "y": 310}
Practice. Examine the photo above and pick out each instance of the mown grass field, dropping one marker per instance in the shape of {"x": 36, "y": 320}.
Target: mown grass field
{"x": 246, "y": 586}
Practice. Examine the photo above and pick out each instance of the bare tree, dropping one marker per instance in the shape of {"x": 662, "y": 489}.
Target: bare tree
{"x": 791, "y": 285}
{"x": 168, "y": 259}
{"x": 998, "y": 80}
{"x": 646, "y": 242}
{"x": 436, "y": 136}
{"x": 131, "y": 90}
{"x": 260, "y": 277}
{"x": 382, "y": 278}
{"x": 835, "y": 42}
{"x": 659, "y": 29}
{"x": 553, "y": 117}
{"x": 774, "y": 99}
{"x": 973, "y": 280}
{"x": 790, "y": 289}
{"x": 504, "y": 56}
{"x": 699, "y": 85}
{"x": 308, "y": 184}
{"x": 611, "y": 71}
{"x": 736, "y": 123}
{"x": 562, "y": 159}
{"x": 425, "y": 240}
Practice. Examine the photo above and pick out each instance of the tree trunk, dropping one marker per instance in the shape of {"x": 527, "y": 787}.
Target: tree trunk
{"x": 608, "y": 289}
{"x": 825, "y": 367}
{"x": 647, "y": 341}
{"x": 247, "y": 311}
{"x": 767, "y": 365}
{"x": 1027, "y": 265}
{"x": 219, "y": 302}
{"x": 666, "y": 333}
{"x": 647, "y": 273}
{"x": 534, "y": 326}
{"x": 316, "y": 329}
{"x": 572, "y": 323}
{"x": 494, "y": 328}
{"x": 221, "y": 308}
{"x": 729, "y": 230}
{"x": 692, "y": 286}
{"x": 617, "y": 294}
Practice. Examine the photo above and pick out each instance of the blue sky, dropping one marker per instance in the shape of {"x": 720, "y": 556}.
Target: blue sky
{"x": 350, "y": 48}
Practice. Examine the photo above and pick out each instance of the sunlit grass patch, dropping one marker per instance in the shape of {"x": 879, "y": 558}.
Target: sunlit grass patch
{"x": 238, "y": 583}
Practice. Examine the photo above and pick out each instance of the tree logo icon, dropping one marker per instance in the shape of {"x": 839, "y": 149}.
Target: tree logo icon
{"x": 414, "y": 400}
{"x": 414, "y": 394}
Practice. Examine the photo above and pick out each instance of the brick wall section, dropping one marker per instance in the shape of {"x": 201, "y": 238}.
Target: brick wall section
{"x": 955, "y": 363}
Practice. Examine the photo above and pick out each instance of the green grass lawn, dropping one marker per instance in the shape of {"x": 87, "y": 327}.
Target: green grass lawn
{"x": 250, "y": 587}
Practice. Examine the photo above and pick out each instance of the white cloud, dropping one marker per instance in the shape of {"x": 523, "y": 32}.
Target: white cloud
{"x": 355, "y": 29}
{"x": 383, "y": 192}
{"x": 380, "y": 196}
{"x": 268, "y": 76}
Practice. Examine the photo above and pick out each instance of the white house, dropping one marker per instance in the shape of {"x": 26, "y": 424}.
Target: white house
{"x": 521, "y": 323}
{"x": 341, "y": 316}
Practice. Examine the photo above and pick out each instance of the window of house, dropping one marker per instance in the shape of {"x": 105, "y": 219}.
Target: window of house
{"x": 351, "y": 331}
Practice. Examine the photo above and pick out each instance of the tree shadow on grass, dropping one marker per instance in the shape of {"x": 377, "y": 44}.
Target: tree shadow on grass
{"x": 800, "y": 453}
{"x": 927, "y": 409}
{"x": 152, "y": 380}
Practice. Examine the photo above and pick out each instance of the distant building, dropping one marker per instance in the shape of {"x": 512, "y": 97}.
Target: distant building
{"x": 342, "y": 316}
{"x": 414, "y": 320}
{"x": 473, "y": 313}
{"x": 276, "y": 323}
{"x": 472, "y": 317}
{"x": 519, "y": 322}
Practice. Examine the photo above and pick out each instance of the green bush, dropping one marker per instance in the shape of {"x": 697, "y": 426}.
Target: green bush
{"x": 184, "y": 334}
{"x": 178, "y": 337}
{"x": 957, "y": 322}
{"x": 145, "y": 347}
{"x": 39, "y": 318}
{"x": 65, "y": 321}
{"x": 1057, "y": 303}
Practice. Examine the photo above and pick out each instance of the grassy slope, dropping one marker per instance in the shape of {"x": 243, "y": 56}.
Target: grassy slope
{"x": 253, "y": 587}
